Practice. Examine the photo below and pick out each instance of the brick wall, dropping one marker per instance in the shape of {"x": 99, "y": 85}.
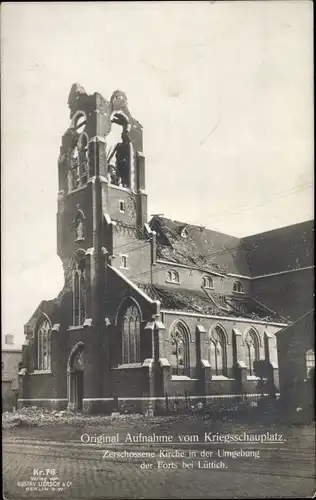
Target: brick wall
{"x": 191, "y": 279}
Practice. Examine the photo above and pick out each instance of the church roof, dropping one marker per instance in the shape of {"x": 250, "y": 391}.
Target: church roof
{"x": 198, "y": 246}
{"x": 282, "y": 249}
{"x": 209, "y": 303}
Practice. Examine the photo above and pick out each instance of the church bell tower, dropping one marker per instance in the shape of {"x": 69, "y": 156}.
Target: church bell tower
{"x": 101, "y": 177}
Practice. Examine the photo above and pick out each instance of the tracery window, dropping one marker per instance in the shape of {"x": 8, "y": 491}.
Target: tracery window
{"x": 119, "y": 152}
{"x": 252, "y": 351}
{"x": 83, "y": 159}
{"x": 78, "y": 174}
{"x": 180, "y": 350}
{"x": 217, "y": 352}
{"x": 79, "y": 292}
{"x": 131, "y": 335}
{"x": 43, "y": 343}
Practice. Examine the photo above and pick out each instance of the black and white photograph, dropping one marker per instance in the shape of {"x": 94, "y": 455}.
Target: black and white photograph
{"x": 157, "y": 199}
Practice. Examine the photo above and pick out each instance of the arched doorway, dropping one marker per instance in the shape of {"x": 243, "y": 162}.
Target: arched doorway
{"x": 75, "y": 372}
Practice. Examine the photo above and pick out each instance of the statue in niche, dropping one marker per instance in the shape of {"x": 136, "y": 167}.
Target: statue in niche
{"x": 119, "y": 173}
{"x": 79, "y": 230}
{"x": 79, "y": 225}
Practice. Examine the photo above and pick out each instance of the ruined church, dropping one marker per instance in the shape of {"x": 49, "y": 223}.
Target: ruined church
{"x": 150, "y": 309}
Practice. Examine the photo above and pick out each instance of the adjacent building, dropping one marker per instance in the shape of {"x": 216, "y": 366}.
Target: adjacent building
{"x": 296, "y": 353}
{"x": 11, "y": 359}
{"x": 149, "y": 308}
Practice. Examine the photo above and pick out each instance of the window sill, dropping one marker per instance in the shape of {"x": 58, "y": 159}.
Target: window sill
{"x": 127, "y": 366}
{"x": 173, "y": 282}
{"x": 41, "y": 372}
{"x": 252, "y": 377}
{"x": 79, "y": 240}
{"x": 182, "y": 377}
{"x": 78, "y": 327}
{"x": 70, "y": 191}
{"x": 120, "y": 188}
{"x": 221, "y": 377}
{"x": 125, "y": 268}
{"x": 238, "y": 293}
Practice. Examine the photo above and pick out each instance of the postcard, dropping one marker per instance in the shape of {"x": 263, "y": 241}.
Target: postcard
{"x": 158, "y": 251}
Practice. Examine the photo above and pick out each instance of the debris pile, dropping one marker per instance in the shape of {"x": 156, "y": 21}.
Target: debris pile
{"x": 33, "y": 416}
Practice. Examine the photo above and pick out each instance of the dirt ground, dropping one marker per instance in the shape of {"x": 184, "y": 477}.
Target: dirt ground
{"x": 281, "y": 469}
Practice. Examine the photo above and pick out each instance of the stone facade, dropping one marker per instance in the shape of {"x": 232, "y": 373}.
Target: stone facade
{"x": 148, "y": 309}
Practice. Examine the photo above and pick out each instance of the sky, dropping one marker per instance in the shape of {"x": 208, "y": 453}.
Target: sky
{"x": 224, "y": 91}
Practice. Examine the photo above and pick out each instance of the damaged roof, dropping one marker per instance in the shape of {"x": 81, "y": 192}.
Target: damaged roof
{"x": 199, "y": 246}
{"x": 209, "y": 303}
{"x": 281, "y": 249}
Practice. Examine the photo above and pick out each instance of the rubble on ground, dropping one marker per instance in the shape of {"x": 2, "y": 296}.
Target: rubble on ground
{"x": 41, "y": 417}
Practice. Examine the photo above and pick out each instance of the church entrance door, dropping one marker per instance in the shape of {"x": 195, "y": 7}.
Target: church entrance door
{"x": 76, "y": 377}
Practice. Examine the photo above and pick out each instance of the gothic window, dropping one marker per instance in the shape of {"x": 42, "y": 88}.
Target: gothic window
{"x": 80, "y": 122}
{"x": 180, "y": 350}
{"x": 79, "y": 292}
{"x": 207, "y": 282}
{"x": 238, "y": 287}
{"x": 310, "y": 360}
{"x": 173, "y": 277}
{"x": 131, "y": 335}
{"x": 74, "y": 172}
{"x": 78, "y": 173}
{"x": 217, "y": 352}
{"x": 252, "y": 351}
{"x": 43, "y": 344}
{"x": 83, "y": 159}
{"x": 119, "y": 152}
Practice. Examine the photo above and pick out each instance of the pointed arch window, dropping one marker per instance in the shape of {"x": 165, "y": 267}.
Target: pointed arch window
{"x": 131, "y": 335}
{"x": 83, "y": 159}
{"x": 78, "y": 174}
{"x": 217, "y": 352}
{"x": 207, "y": 282}
{"x": 79, "y": 292}
{"x": 74, "y": 172}
{"x": 252, "y": 351}
{"x": 43, "y": 344}
{"x": 180, "y": 350}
